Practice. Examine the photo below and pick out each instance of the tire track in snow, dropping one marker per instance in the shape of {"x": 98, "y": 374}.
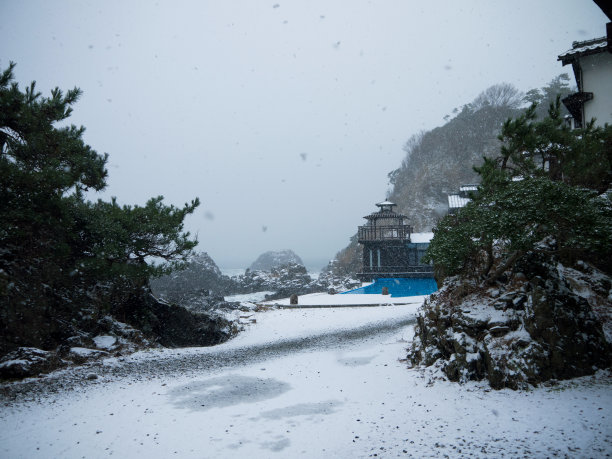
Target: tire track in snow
{"x": 245, "y": 355}
{"x": 204, "y": 359}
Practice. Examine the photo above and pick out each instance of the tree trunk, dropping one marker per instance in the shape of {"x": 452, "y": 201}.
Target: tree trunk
{"x": 504, "y": 266}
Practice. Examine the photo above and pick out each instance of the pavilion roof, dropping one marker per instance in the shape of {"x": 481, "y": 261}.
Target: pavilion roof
{"x": 386, "y": 203}
{"x": 384, "y": 214}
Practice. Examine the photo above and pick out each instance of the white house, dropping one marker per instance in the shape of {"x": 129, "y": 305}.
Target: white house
{"x": 591, "y": 62}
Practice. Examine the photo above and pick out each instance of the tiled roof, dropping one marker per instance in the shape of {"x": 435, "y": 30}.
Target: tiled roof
{"x": 583, "y": 48}
{"x": 421, "y": 238}
{"x": 384, "y": 214}
{"x": 455, "y": 201}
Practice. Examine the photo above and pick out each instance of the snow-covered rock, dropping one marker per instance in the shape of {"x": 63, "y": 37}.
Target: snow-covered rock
{"x": 282, "y": 281}
{"x": 104, "y": 341}
{"x": 26, "y": 361}
{"x": 334, "y": 282}
{"x": 533, "y": 328}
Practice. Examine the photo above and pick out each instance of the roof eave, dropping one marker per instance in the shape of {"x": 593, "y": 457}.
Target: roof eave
{"x": 595, "y": 46}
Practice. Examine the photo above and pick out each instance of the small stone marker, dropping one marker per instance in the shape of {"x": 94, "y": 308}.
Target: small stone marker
{"x": 293, "y": 299}
{"x": 385, "y": 290}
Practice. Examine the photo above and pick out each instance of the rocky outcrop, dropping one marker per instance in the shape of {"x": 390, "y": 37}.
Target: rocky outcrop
{"x": 340, "y": 273}
{"x": 84, "y": 342}
{"x": 532, "y": 328}
{"x": 145, "y": 322}
{"x": 275, "y": 259}
{"x": 201, "y": 277}
{"x": 293, "y": 279}
{"x": 201, "y": 286}
{"x": 27, "y": 361}
{"x": 283, "y": 281}
{"x": 290, "y": 276}
{"x": 172, "y": 325}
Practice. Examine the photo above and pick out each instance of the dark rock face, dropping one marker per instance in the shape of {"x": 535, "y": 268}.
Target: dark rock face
{"x": 40, "y": 332}
{"x": 532, "y": 329}
{"x": 145, "y": 322}
{"x": 27, "y": 361}
{"x": 174, "y": 326}
{"x": 274, "y": 259}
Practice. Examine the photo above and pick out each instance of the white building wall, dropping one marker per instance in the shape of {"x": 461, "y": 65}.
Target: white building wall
{"x": 597, "y": 78}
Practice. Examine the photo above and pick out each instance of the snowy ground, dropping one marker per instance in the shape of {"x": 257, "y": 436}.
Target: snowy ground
{"x": 324, "y": 299}
{"x": 315, "y": 383}
{"x": 250, "y": 297}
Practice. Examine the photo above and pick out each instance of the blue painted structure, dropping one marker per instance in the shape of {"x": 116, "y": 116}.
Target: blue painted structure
{"x": 399, "y": 287}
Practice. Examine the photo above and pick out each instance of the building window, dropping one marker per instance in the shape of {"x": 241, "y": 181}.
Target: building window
{"x": 378, "y": 253}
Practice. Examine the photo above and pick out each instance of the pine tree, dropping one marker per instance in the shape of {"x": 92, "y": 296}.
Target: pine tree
{"x": 547, "y": 191}
{"x": 59, "y": 253}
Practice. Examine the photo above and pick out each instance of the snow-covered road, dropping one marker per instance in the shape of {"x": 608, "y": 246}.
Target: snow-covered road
{"x": 299, "y": 383}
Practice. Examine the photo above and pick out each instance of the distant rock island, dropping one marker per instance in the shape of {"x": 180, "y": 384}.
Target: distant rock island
{"x": 274, "y": 259}
{"x": 200, "y": 285}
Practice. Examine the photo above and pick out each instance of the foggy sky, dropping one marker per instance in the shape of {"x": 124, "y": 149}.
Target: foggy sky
{"x": 283, "y": 117}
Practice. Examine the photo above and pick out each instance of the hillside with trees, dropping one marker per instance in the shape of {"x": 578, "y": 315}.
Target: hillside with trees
{"x": 437, "y": 162}
{"x": 524, "y": 268}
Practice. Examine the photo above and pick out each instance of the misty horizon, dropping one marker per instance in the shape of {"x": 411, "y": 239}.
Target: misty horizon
{"x": 284, "y": 119}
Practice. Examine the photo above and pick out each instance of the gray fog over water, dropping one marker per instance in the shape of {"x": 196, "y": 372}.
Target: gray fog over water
{"x": 284, "y": 118}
